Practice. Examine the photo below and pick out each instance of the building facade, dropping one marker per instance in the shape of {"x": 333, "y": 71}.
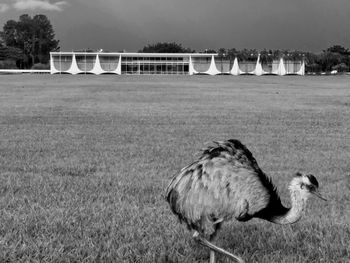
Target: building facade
{"x": 169, "y": 64}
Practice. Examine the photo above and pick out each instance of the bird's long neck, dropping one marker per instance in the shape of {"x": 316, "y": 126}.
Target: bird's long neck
{"x": 292, "y": 214}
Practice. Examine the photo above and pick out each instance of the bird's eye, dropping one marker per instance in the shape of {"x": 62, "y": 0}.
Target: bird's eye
{"x": 302, "y": 186}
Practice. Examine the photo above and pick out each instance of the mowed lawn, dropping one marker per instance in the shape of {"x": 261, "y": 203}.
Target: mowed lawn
{"x": 84, "y": 161}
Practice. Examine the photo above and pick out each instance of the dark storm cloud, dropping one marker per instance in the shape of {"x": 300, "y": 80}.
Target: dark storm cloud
{"x": 130, "y": 24}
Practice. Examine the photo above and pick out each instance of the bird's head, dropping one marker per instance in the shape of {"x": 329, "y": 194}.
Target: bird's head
{"x": 306, "y": 185}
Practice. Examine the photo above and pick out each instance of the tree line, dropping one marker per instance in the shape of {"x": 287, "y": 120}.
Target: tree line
{"x": 27, "y": 43}
{"x": 333, "y": 58}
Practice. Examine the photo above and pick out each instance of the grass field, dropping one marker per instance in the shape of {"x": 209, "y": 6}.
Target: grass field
{"x": 84, "y": 161}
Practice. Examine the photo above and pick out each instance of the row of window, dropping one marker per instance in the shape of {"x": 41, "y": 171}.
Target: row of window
{"x": 155, "y": 69}
{"x": 126, "y": 59}
{"x": 154, "y": 59}
{"x": 154, "y": 63}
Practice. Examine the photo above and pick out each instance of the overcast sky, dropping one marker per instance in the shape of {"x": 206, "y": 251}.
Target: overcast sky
{"x": 130, "y": 24}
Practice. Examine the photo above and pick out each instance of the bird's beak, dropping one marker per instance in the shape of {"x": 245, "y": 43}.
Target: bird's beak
{"x": 318, "y": 194}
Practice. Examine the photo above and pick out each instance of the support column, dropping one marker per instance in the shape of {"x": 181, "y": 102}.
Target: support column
{"x": 118, "y": 70}
{"x": 301, "y": 72}
{"x": 212, "y": 69}
{"x": 53, "y": 69}
{"x": 97, "y": 70}
{"x": 258, "y": 68}
{"x": 281, "y": 68}
{"x": 74, "y": 67}
{"x": 235, "y": 68}
{"x": 192, "y": 71}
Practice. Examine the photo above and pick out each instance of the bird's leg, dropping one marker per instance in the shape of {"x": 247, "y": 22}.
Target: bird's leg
{"x": 212, "y": 252}
{"x": 218, "y": 221}
{"x": 212, "y": 256}
{"x": 211, "y": 239}
{"x": 213, "y": 248}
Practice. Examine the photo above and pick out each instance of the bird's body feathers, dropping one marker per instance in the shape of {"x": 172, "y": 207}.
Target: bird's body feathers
{"x": 225, "y": 182}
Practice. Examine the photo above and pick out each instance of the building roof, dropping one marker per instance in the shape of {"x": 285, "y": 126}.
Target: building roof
{"x": 135, "y": 54}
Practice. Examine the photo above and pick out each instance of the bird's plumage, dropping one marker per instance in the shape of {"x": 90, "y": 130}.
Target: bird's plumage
{"x": 225, "y": 182}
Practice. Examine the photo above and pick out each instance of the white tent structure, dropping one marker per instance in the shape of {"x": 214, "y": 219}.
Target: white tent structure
{"x": 163, "y": 63}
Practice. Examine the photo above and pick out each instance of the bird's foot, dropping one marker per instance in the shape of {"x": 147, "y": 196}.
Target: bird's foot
{"x": 207, "y": 244}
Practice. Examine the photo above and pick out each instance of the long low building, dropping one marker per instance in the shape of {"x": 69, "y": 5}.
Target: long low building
{"x": 167, "y": 63}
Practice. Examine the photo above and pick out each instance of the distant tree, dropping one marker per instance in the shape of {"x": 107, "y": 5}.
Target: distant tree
{"x": 232, "y": 53}
{"x": 2, "y": 43}
{"x": 222, "y": 52}
{"x": 209, "y": 51}
{"x": 11, "y": 53}
{"x": 87, "y": 50}
{"x": 311, "y": 58}
{"x": 296, "y": 55}
{"x": 34, "y": 36}
{"x": 45, "y": 38}
{"x": 338, "y": 49}
{"x": 248, "y": 55}
{"x": 312, "y": 68}
{"x": 266, "y": 56}
{"x": 165, "y": 47}
{"x": 342, "y": 53}
{"x": 10, "y": 35}
{"x": 12, "y": 56}
{"x": 312, "y": 62}
{"x": 342, "y": 67}
{"x": 329, "y": 60}
{"x": 277, "y": 54}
